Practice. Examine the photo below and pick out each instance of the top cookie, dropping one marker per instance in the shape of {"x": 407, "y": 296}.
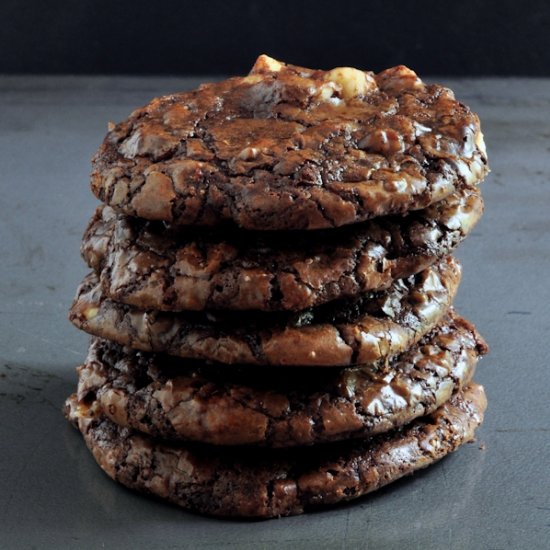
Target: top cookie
{"x": 291, "y": 148}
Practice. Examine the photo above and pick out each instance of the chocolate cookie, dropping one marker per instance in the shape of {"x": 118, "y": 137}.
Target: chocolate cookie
{"x": 151, "y": 266}
{"x": 267, "y": 483}
{"x": 367, "y": 330}
{"x": 291, "y": 148}
{"x": 173, "y": 398}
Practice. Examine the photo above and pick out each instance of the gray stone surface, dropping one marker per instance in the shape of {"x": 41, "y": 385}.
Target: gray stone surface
{"x": 492, "y": 494}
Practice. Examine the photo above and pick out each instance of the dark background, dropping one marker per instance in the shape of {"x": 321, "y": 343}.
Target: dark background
{"x": 508, "y": 37}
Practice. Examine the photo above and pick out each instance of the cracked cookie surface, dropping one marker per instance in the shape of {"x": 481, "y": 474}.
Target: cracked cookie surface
{"x": 151, "y": 266}
{"x": 367, "y": 330}
{"x": 267, "y": 483}
{"x": 173, "y": 398}
{"x": 291, "y": 148}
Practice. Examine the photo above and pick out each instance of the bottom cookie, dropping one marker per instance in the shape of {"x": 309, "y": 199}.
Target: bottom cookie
{"x": 266, "y": 483}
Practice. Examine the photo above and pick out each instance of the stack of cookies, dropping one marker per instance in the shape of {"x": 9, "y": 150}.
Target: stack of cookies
{"x": 271, "y": 289}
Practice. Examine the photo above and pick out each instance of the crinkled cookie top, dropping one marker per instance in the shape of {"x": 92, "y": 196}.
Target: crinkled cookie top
{"x": 291, "y": 148}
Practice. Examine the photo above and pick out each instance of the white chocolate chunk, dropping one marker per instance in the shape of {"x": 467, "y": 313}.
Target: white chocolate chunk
{"x": 353, "y": 82}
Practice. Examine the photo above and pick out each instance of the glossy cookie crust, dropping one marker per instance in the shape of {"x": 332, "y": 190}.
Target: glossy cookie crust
{"x": 151, "y": 266}
{"x": 173, "y": 398}
{"x": 291, "y": 148}
{"x": 266, "y": 483}
{"x": 370, "y": 329}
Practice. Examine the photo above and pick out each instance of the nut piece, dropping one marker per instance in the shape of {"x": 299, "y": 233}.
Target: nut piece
{"x": 248, "y": 153}
{"x": 83, "y": 410}
{"x": 327, "y": 91}
{"x": 480, "y": 142}
{"x": 252, "y": 78}
{"x": 266, "y": 64}
{"x": 354, "y": 83}
{"x": 399, "y": 78}
{"x": 91, "y": 312}
{"x": 383, "y": 141}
